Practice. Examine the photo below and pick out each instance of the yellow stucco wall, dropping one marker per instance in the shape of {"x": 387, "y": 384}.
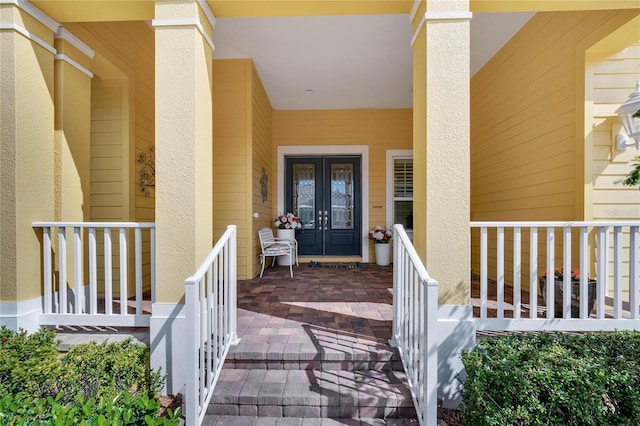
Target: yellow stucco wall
{"x": 527, "y": 120}
{"x": 381, "y": 130}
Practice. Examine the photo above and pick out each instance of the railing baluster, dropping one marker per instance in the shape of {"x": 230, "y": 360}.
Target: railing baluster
{"x": 93, "y": 272}
{"x": 484, "y": 273}
{"x": 62, "y": 273}
{"x": 550, "y": 271}
{"x": 633, "y": 271}
{"x": 78, "y": 282}
{"x": 124, "y": 272}
{"x": 566, "y": 267}
{"x": 601, "y": 261}
{"x": 617, "y": 271}
{"x": 517, "y": 265}
{"x": 138, "y": 249}
{"x": 584, "y": 271}
{"x": 533, "y": 272}
{"x": 47, "y": 269}
{"x": 500, "y": 271}
{"x": 108, "y": 273}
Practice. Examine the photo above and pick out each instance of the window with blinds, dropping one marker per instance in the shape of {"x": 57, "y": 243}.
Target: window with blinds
{"x": 403, "y": 191}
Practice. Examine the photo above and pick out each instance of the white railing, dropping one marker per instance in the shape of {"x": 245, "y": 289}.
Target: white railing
{"x": 84, "y": 286}
{"x": 211, "y": 313}
{"x": 415, "y": 318}
{"x": 517, "y": 254}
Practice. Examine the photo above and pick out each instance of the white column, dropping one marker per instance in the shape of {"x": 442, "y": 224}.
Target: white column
{"x": 184, "y": 170}
{"x": 441, "y": 108}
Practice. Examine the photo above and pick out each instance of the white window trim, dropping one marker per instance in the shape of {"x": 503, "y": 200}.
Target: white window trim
{"x": 392, "y": 154}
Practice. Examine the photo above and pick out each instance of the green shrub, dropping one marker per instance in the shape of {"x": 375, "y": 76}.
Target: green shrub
{"x": 553, "y": 379}
{"x": 92, "y": 384}
{"x": 124, "y": 409}
{"x": 26, "y": 360}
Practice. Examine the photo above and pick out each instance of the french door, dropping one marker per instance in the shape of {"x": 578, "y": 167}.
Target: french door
{"x": 325, "y": 193}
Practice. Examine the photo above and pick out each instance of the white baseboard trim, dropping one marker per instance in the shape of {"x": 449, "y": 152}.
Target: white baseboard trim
{"x": 24, "y": 314}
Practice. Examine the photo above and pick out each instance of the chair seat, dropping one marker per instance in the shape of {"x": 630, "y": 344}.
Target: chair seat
{"x": 277, "y": 249}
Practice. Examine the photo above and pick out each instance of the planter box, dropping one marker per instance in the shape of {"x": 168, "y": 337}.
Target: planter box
{"x": 575, "y": 296}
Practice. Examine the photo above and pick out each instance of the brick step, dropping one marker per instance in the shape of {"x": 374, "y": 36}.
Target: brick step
{"x": 312, "y": 393}
{"x": 298, "y": 421}
{"x": 312, "y": 354}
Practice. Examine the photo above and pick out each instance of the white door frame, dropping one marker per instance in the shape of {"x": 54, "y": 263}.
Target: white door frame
{"x": 328, "y": 150}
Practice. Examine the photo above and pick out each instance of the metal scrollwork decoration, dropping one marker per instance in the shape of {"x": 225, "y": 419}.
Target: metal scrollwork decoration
{"x": 264, "y": 185}
{"x": 147, "y": 173}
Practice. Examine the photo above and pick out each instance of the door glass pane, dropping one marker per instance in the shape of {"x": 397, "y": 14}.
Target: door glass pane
{"x": 304, "y": 189}
{"x": 342, "y": 196}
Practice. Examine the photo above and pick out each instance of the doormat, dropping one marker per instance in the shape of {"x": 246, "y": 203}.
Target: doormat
{"x": 314, "y": 264}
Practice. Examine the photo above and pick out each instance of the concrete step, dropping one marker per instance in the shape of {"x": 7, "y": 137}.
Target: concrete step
{"x": 298, "y": 421}
{"x": 312, "y": 394}
{"x": 320, "y": 350}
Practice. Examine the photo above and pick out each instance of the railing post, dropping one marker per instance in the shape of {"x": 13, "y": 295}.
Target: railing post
{"x": 430, "y": 352}
{"x": 233, "y": 278}
{"x": 396, "y": 271}
{"x": 191, "y": 358}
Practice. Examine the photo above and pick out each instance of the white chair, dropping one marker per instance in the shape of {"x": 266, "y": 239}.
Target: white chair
{"x": 274, "y": 247}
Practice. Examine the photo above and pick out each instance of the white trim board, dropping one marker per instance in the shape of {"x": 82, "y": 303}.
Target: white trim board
{"x": 24, "y": 314}
{"x": 361, "y": 150}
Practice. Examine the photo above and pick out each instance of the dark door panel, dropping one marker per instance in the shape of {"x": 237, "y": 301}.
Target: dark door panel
{"x": 325, "y": 193}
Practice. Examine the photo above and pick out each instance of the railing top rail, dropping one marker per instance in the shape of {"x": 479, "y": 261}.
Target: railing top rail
{"x": 204, "y": 266}
{"x": 400, "y": 233}
{"x": 555, "y": 224}
{"x": 94, "y": 224}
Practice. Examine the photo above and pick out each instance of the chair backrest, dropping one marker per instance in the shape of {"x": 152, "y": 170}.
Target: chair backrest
{"x": 266, "y": 237}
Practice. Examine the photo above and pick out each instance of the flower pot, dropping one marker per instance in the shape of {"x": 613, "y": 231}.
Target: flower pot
{"x": 575, "y": 296}
{"x": 289, "y": 234}
{"x": 383, "y": 254}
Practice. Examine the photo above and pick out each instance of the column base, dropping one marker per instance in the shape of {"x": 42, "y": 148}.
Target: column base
{"x": 21, "y": 315}
{"x": 167, "y": 344}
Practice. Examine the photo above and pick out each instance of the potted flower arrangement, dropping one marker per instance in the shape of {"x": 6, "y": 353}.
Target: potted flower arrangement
{"x": 381, "y": 237}
{"x": 558, "y": 277}
{"x": 286, "y": 225}
{"x": 287, "y": 221}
